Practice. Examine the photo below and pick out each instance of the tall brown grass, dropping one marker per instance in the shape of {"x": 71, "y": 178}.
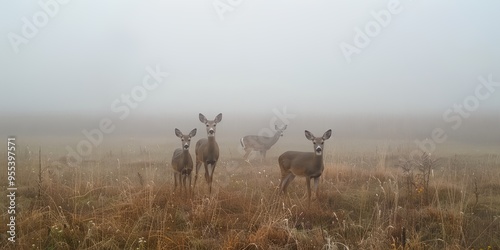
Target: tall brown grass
{"x": 366, "y": 201}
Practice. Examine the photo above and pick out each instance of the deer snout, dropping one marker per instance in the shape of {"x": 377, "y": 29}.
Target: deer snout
{"x": 186, "y": 146}
{"x": 318, "y": 150}
{"x": 211, "y": 131}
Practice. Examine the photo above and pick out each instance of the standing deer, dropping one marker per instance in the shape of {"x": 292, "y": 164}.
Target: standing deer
{"x": 207, "y": 150}
{"x": 182, "y": 162}
{"x": 260, "y": 143}
{"x": 307, "y": 164}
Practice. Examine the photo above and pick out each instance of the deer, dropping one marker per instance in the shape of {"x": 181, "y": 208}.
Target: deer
{"x": 207, "y": 150}
{"x": 307, "y": 164}
{"x": 182, "y": 162}
{"x": 260, "y": 143}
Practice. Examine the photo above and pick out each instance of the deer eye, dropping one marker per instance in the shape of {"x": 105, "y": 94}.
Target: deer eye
{"x": 207, "y": 125}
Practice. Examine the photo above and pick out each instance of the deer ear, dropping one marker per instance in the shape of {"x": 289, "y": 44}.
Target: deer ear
{"x": 178, "y": 133}
{"x": 309, "y": 135}
{"x": 218, "y": 118}
{"x": 276, "y": 127}
{"x": 192, "y": 133}
{"x": 327, "y": 134}
{"x": 202, "y": 118}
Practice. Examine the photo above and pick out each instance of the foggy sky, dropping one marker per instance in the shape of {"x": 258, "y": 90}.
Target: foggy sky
{"x": 263, "y": 55}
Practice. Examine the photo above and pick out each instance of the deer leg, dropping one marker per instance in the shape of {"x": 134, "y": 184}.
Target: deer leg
{"x": 189, "y": 178}
{"x": 308, "y": 183}
{"x": 286, "y": 181}
{"x": 283, "y": 177}
{"x": 281, "y": 183}
{"x": 263, "y": 153}
{"x": 316, "y": 182}
{"x": 175, "y": 181}
{"x": 284, "y": 173}
{"x": 198, "y": 165}
{"x": 183, "y": 185}
{"x": 207, "y": 166}
{"x": 211, "y": 168}
{"x": 208, "y": 173}
{"x": 247, "y": 153}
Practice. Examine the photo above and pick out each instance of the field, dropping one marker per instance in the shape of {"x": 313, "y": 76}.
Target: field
{"x": 122, "y": 198}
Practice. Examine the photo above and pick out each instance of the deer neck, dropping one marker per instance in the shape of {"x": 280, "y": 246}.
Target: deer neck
{"x": 185, "y": 156}
{"x": 274, "y": 139}
{"x": 318, "y": 161}
{"x": 211, "y": 144}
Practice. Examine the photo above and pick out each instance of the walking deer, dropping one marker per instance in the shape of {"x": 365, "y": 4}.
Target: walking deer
{"x": 182, "y": 162}
{"x": 307, "y": 164}
{"x": 207, "y": 150}
{"x": 260, "y": 143}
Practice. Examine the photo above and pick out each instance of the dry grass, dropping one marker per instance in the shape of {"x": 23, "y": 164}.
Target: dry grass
{"x": 366, "y": 201}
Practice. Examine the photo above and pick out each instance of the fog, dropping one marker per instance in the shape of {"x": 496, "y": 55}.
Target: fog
{"x": 384, "y": 69}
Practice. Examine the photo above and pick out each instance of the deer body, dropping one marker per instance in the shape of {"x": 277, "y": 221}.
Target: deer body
{"x": 207, "y": 150}
{"x": 260, "y": 143}
{"x": 306, "y": 164}
{"x": 293, "y": 161}
{"x": 182, "y": 162}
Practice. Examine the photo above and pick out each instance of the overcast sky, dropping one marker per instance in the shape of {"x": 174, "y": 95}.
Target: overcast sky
{"x": 255, "y": 56}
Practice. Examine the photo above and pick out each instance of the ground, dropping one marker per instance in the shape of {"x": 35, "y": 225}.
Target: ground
{"x": 381, "y": 199}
